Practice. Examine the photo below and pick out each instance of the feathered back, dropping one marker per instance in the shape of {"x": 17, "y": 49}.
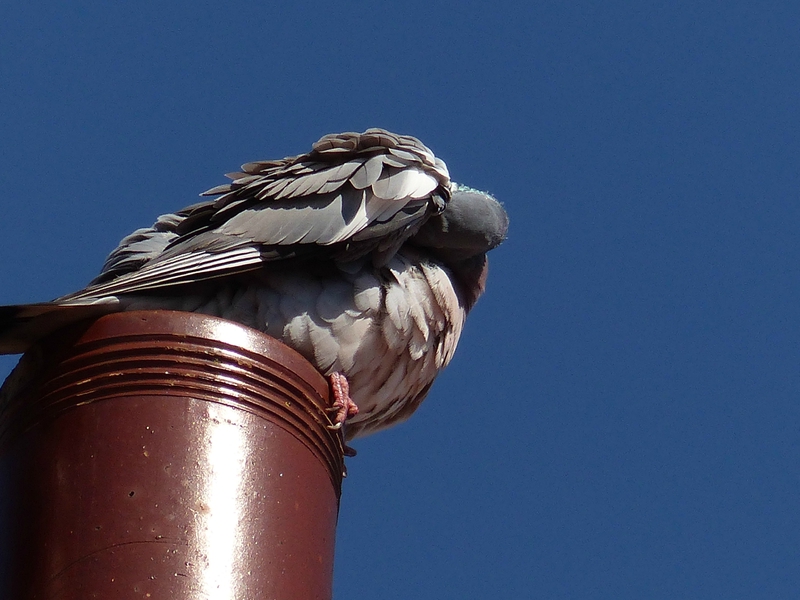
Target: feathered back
{"x": 353, "y": 194}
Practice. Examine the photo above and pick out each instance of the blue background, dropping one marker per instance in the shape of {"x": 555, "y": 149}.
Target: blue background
{"x": 621, "y": 419}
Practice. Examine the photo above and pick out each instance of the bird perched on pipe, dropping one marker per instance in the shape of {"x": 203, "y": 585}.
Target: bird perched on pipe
{"x": 361, "y": 254}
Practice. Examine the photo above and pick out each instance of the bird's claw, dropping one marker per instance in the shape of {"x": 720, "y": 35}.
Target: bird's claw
{"x": 343, "y": 404}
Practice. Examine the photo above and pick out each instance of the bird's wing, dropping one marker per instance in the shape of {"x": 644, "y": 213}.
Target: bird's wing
{"x": 354, "y": 193}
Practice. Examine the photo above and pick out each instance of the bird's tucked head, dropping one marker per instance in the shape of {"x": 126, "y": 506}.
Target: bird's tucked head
{"x": 471, "y": 224}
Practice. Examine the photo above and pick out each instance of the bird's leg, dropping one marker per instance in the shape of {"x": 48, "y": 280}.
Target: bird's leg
{"x": 343, "y": 404}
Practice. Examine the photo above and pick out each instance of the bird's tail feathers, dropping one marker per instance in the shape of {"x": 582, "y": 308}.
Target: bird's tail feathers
{"x": 22, "y": 325}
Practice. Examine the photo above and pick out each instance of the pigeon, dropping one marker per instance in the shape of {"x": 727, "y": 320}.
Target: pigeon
{"x": 362, "y": 255}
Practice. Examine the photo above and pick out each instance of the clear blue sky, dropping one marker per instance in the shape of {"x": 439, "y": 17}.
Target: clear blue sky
{"x": 621, "y": 419}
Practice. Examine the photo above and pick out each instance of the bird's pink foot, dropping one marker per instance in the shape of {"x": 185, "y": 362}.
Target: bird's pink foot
{"x": 343, "y": 404}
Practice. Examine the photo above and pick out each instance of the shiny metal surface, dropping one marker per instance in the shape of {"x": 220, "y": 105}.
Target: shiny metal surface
{"x": 167, "y": 455}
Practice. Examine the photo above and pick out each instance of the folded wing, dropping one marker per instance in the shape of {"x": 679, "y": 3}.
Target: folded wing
{"x": 352, "y": 195}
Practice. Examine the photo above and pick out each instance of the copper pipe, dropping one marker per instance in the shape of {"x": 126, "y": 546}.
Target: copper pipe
{"x": 166, "y": 455}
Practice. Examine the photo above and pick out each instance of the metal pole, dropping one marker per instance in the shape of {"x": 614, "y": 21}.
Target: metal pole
{"x": 166, "y": 455}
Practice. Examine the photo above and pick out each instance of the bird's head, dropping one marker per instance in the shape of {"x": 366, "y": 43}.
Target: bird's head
{"x": 471, "y": 224}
